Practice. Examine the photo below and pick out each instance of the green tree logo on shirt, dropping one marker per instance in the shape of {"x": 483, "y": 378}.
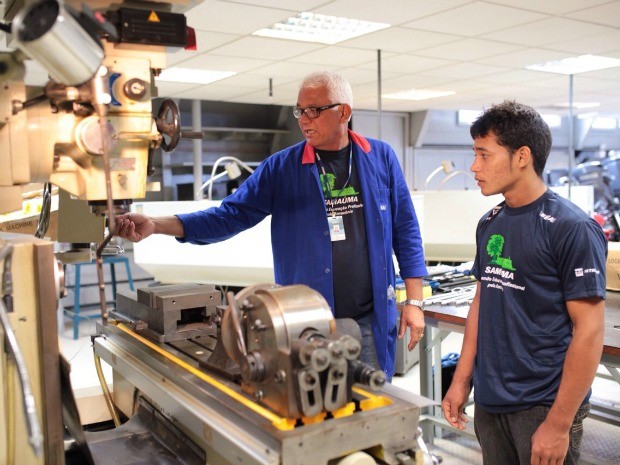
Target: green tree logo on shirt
{"x": 328, "y": 181}
{"x": 494, "y": 249}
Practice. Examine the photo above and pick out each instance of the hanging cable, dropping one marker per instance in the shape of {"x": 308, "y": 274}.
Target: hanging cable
{"x": 106, "y": 392}
{"x": 214, "y": 169}
{"x": 7, "y": 283}
{"x": 35, "y": 437}
{"x": 46, "y": 212}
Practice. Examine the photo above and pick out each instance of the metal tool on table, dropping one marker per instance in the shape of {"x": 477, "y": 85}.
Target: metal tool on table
{"x": 456, "y": 296}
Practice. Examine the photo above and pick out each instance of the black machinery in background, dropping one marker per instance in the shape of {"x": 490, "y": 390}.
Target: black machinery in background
{"x": 604, "y": 176}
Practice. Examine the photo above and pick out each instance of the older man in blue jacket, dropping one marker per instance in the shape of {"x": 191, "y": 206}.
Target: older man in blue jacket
{"x": 340, "y": 207}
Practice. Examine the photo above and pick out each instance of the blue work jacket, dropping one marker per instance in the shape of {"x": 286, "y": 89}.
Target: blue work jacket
{"x": 286, "y": 185}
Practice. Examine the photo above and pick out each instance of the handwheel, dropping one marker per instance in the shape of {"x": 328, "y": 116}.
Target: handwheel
{"x": 169, "y": 124}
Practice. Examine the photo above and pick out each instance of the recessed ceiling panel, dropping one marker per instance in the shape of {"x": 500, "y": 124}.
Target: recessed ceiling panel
{"x": 407, "y": 64}
{"x": 556, "y": 7}
{"x": 547, "y": 31}
{"x": 608, "y": 14}
{"x": 394, "y": 12}
{"x": 469, "y": 49}
{"x": 475, "y": 19}
{"x": 270, "y": 49}
{"x": 337, "y": 56}
{"x": 399, "y": 40}
{"x": 234, "y": 18}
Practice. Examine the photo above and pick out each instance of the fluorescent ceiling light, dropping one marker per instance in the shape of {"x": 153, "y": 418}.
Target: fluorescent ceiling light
{"x": 590, "y": 115}
{"x": 578, "y": 105}
{"x": 193, "y": 76}
{"x": 311, "y": 27}
{"x": 553, "y": 121}
{"x": 602, "y": 122}
{"x": 467, "y": 117}
{"x": 575, "y": 65}
{"x": 419, "y": 94}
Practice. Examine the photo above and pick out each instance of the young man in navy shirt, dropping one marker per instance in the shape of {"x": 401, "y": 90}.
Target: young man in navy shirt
{"x": 534, "y": 332}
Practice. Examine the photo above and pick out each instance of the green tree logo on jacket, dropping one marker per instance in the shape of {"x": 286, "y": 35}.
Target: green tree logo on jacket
{"x": 494, "y": 249}
{"x": 327, "y": 183}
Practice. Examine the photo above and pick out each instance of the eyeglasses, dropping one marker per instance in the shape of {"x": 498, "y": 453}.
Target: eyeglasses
{"x": 312, "y": 112}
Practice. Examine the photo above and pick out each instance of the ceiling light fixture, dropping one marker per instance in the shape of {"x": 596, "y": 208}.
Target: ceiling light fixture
{"x": 575, "y": 65}
{"x": 577, "y": 105}
{"x": 604, "y": 122}
{"x": 590, "y": 115}
{"x": 552, "y": 120}
{"x": 467, "y": 117}
{"x": 419, "y": 94}
{"x": 324, "y": 29}
{"x": 193, "y": 76}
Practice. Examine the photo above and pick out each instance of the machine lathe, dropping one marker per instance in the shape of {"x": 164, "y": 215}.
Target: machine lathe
{"x": 270, "y": 377}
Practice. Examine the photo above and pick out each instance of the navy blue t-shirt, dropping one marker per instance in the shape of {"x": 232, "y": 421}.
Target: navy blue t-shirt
{"x": 531, "y": 260}
{"x": 353, "y": 296}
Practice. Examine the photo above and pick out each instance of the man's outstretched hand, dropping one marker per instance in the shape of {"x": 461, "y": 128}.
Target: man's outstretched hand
{"x": 134, "y": 226}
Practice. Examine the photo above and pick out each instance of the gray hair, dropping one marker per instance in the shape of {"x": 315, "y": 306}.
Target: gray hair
{"x": 339, "y": 89}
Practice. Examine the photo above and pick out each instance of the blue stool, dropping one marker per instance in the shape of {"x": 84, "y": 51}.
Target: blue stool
{"x": 111, "y": 260}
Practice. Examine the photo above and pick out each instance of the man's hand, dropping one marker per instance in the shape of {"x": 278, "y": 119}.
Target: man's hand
{"x": 549, "y": 445}
{"x": 412, "y": 317}
{"x": 453, "y": 405}
{"x": 134, "y": 226}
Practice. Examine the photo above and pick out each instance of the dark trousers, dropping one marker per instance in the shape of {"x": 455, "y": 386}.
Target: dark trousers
{"x": 506, "y": 438}
{"x": 369, "y": 352}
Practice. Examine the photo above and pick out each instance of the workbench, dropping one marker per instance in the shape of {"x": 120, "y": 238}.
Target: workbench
{"x": 441, "y": 320}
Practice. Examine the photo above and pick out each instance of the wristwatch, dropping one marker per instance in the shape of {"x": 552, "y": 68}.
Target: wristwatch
{"x": 417, "y": 303}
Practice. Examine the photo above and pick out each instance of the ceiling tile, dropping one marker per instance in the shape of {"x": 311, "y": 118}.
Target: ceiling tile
{"x": 523, "y": 58}
{"x": 525, "y": 76}
{"x": 214, "y": 91}
{"x": 270, "y": 49}
{"x": 608, "y": 14}
{"x": 468, "y": 49}
{"x": 556, "y": 7}
{"x": 599, "y": 44}
{"x": 360, "y": 76}
{"x": 301, "y": 5}
{"x": 395, "y": 12}
{"x": 418, "y": 81}
{"x": 591, "y": 81}
{"x": 605, "y": 74}
{"x": 223, "y": 63}
{"x": 234, "y": 18}
{"x": 399, "y": 40}
{"x": 288, "y": 71}
{"x": 464, "y": 71}
{"x": 337, "y": 56}
{"x": 475, "y": 18}
{"x": 407, "y": 64}
{"x": 547, "y": 31}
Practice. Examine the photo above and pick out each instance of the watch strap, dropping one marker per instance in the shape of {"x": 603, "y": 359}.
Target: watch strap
{"x": 417, "y": 303}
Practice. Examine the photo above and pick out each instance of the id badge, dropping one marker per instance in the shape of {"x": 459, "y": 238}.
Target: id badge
{"x": 336, "y": 228}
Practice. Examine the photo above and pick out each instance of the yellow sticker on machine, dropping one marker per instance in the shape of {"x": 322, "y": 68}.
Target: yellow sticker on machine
{"x": 153, "y": 18}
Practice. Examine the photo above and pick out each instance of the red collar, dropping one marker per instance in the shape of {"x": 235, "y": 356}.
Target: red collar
{"x": 360, "y": 141}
